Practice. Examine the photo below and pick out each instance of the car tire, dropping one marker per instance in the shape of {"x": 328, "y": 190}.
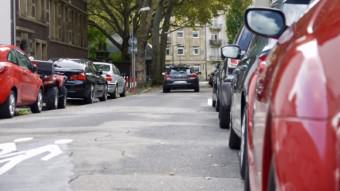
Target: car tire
{"x": 197, "y": 89}
{"x": 123, "y": 94}
{"x": 243, "y": 146}
{"x": 104, "y": 97}
{"x": 224, "y": 118}
{"x": 7, "y": 109}
{"x": 38, "y": 105}
{"x": 62, "y": 98}
{"x": 246, "y": 178}
{"x": 214, "y": 103}
{"x": 165, "y": 89}
{"x": 234, "y": 140}
{"x": 271, "y": 178}
{"x": 90, "y": 97}
{"x": 52, "y": 99}
{"x": 115, "y": 93}
{"x": 217, "y": 107}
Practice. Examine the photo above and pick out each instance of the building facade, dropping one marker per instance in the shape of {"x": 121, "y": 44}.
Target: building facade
{"x": 52, "y": 28}
{"x": 199, "y": 47}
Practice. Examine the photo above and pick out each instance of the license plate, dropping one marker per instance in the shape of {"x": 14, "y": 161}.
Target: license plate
{"x": 180, "y": 82}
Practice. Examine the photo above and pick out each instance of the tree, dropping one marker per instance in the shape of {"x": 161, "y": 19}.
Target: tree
{"x": 234, "y": 17}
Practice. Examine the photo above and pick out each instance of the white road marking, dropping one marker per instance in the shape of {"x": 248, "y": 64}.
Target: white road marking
{"x": 63, "y": 141}
{"x": 209, "y": 102}
{"x": 23, "y": 139}
{"x": 9, "y": 156}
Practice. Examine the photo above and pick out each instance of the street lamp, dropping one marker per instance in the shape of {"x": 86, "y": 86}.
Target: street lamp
{"x": 133, "y": 48}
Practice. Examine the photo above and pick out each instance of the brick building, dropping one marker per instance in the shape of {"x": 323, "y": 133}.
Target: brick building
{"x": 52, "y": 28}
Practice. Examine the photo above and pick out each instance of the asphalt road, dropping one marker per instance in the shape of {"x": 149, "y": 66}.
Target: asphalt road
{"x": 149, "y": 142}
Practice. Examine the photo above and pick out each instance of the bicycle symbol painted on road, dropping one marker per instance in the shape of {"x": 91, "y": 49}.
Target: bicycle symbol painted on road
{"x": 10, "y": 157}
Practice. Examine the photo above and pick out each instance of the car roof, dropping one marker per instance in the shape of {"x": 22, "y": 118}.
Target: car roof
{"x": 103, "y": 63}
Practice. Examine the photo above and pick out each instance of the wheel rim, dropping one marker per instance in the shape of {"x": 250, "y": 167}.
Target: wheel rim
{"x": 242, "y": 149}
{"x": 56, "y": 101}
{"x": 40, "y": 104}
{"x": 12, "y": 105}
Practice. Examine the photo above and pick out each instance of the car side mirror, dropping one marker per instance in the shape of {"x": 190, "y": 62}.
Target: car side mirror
{"x": 34, "y": 68}
{"x": 231, "y": 51}
{"x": 270, "y": 23}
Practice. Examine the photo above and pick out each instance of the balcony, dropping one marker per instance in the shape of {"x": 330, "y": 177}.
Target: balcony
{"x": 216, "y": 27}
{"x": 216, "y": 42}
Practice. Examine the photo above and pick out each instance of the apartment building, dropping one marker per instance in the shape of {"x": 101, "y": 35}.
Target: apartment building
{"x": 198, "y": 47}
{"x": 51, "y": 28}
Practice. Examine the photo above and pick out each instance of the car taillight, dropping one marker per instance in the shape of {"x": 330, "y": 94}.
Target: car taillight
{"x": 3, "y": 68}
{"x": 108, "y": 77}
{"x": 167, "y": 77}
{"x": 48, "y": 80}
{"x": 79, "y": 77}
{"x": 193, "y": 76}
{"x": 262, "y": 63}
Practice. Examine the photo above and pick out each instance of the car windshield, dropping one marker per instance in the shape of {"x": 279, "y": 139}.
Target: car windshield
{"x": 244, "y": 39}
{"x": 69, "y": 64}
{"x": 179, "y": 71}
{"x": 103, "y": 67}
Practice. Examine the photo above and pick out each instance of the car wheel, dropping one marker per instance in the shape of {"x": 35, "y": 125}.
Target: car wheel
{"x": 224, "y": 118}
{"x": 234, "y": 140}
{"x": 7, "y": 109}
{"x": 90, "y": 97}
{"x": 271, "y": 178}
{"x": 52, "y": 100}
{"x": 243, "y": 147}
{"x": 197, "y": 89}
{"x": 123, "y": 94}
{"x": 104, "y": 97}
{"x": 246, "y": 178}
{"x": 217, "y": 107}
{"x": 115, "y": 93}
{"x": 62, "y": 98}
{"x": 214, "y": 103}
{"x": 165, "y": 89}
{"x": 38, "y": 105}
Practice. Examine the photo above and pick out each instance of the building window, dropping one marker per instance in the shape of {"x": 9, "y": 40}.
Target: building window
{"x": 214, "y": 37}
{"x": 180, "y": 50}
{"x": 167, "y": 51}
{"x": 180, "y": 34}
{"x": 195, "y": 50}
{"x": 195, "y": 34}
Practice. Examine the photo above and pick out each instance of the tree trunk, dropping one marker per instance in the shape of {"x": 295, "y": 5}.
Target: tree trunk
{"x": 156, "y": 69}
{"x": 164, "y": 35}
{"x": 142, "y": 37}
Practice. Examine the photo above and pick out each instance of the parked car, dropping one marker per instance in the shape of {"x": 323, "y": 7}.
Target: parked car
{"x": 296, "y": 124}
{"x": 211, "y": 79}
{"x": 242, "y": 109}
{"x": 83, "y": 79}
{"x": 180, "y": 77}
{"x": 227, "y": 77}
{"x": 55, "y": 92}
{"x": 116, "y": 82}
{"x": 20, "y": 84}
{"x": 216, "y": 84}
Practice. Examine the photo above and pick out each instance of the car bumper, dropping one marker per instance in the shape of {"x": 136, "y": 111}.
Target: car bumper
{"x": 77, "y": 89}
{"x": 185, "y": 84}
{"x": 111, "y": 88}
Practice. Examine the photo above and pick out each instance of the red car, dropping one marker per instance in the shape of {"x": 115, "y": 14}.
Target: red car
{"x": 19, "y": 82}
{"x": 295, "y": 141}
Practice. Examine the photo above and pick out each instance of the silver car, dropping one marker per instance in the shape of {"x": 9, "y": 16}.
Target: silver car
{"x": 116, "y": 82}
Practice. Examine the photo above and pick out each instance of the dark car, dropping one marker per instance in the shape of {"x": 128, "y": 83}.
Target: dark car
{"x": 180, "y": 77}
{"x": 83, "y": 79}
{"x": 55, "y": 92}
{"x": 224, "y": 92}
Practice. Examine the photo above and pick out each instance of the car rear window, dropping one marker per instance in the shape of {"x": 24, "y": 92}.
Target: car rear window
{"x": 102, "y": 67}
{"x": 68, "y": 64}
{"x": 177, "y": 71}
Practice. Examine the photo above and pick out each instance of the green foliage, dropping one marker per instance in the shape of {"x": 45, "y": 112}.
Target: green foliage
{"x": 235, "y": 17}
{"x": 95, "y": 38}
{"x": 116, "y": 57}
